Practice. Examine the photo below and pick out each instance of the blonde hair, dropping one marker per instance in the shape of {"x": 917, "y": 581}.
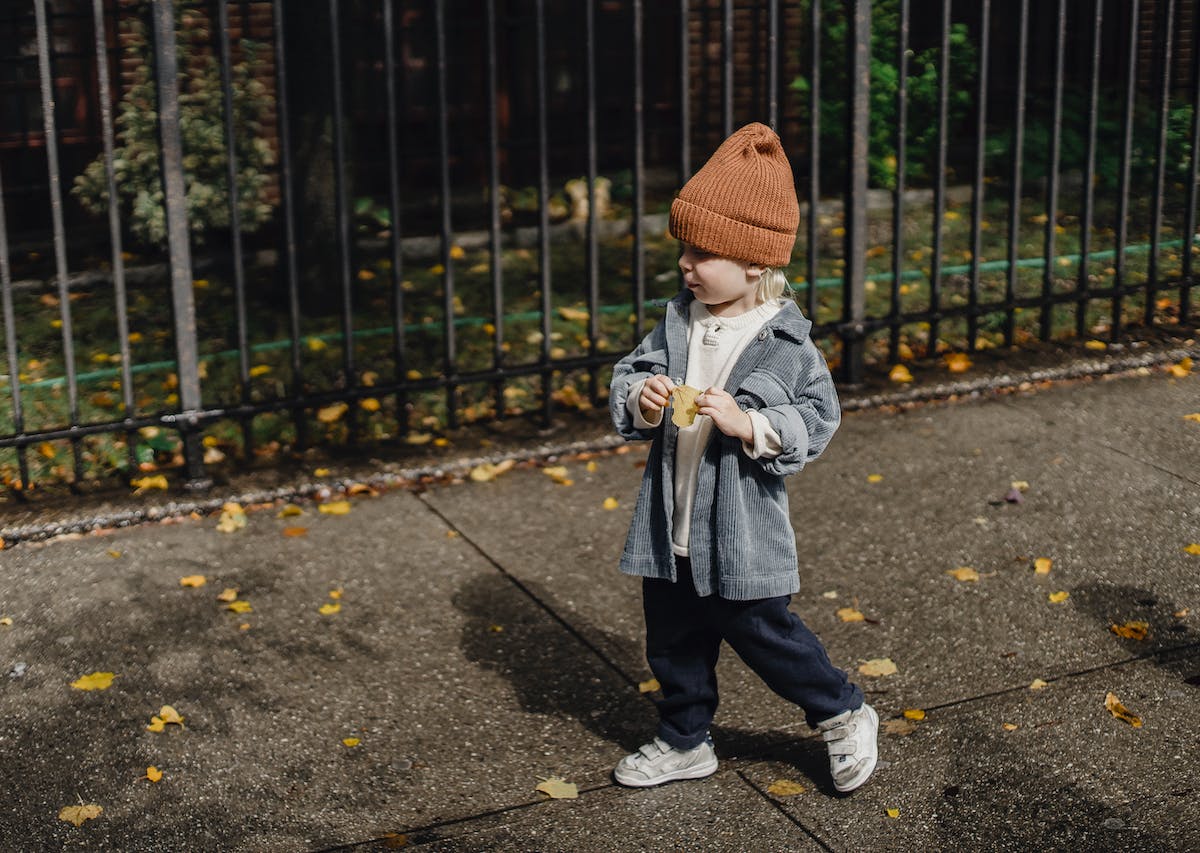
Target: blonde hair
{"x": 774, "y": 284}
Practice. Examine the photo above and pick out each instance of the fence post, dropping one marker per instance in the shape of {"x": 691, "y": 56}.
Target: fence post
{"x": 858, "y": 51}
{"x": 166, "y": 75}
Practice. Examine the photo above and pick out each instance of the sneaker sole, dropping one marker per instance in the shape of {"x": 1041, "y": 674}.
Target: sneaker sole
{"x": 697, "y": 772}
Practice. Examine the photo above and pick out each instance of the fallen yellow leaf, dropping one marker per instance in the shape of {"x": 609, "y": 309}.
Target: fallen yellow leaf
{"x": 1181, "y": 369}
{"x": 351, "y": 741}
{"x": 193, "y": 580}
{"x": 849, "y": 614}
{"x": 1042, "y": 565}
{"x": 1095, "y": 344}
{"x": 611, "y": 503}
{"x": 1113, "y": 704}
{"x": 331, "y": 413}
{"x": 1193, "y": 548}
{"x": 145, "y": 484}
{"x": 78, "y": 814}
{"x": 233, "y": 518}
{"x": 240, "y": 606}
{"x": 329, "y": 608}
{"x": 683, "y": 407}
{"x": 914, "y": 714}
{"x": 295, "y": 531}
{"x": 963, "y": 573}
{"x": 558, "y": 473}
{"x": 785, "y": 788}
{"x": 1131, "y": 630}
{"x": 6, "y": 621}
{"x": 874, "y": 478}
{"x": 878, "y": 667}
{"x": 592, "y": 467}
{"x": 335, "y": 593}
{"x": 558, "y": 789}
{"x": 1010, "y": 727}
{"x": 321, "y": 472}
{"x": 1038, "y": 684}
{"x": 1020, "y": 485}
{"x": 153, "y": 774}
{"x": 486, "y": 472}
{"x": 957, "y": 362}
{"x": 1194, "y": 416}
{"x": 94, "y": 681}
{"x": 116, "y": 555}
{"x": 893, "y": 813}
{"x": 170, "y": 715}
{"x": 1059, "y": 597}
{"x": 576, "y": 314}
{"x": 361, "y": 489}
{"x": 900, "y": 727}
{"x": 900, "y": 373}
{"x": 260, "y": 370}
{"x": 335, "y": 508}
{"x": 649, "y": 686}
{"x": 289, "y": 511}
{"x": 230, "y": 593}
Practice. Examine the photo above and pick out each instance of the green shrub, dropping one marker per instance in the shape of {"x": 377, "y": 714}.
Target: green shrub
{"x": 202, "y": 127}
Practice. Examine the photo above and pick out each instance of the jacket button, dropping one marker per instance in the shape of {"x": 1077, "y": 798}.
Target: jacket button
{"x": 762, "y": 336}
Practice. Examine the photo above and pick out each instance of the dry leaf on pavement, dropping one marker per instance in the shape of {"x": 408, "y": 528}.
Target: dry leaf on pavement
{"x": 899, "y": 727}
{"x": 1042, "y": 565}
{"x": 878, "y": 667}
{"x": 94, "y": 681}
{"x": 1113, "y": 704}
{"x": 193, "y": 580}
{"x": 963, "y": 573}
{"x": 233, "y": 518}
{"x": 849, "y": 614}
{"x": 78, "y": 814}
{"x": 558, "y": 789}
{"x": 1133, "y": 630}
{"x": 335, "y": 508}
{"x": 785, "y": 788}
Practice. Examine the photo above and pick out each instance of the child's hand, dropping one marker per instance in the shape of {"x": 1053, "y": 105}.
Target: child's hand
{"x": 726, "y": 413}
{"x": 655, "y": 393}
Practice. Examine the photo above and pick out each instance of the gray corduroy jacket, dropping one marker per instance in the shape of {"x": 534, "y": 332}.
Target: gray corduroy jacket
{"x": 741, "y": 544}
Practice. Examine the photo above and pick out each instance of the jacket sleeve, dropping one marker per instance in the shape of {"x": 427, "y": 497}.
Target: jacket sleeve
{"x": 649, "y": 358}
{"x": 808, "y": 421}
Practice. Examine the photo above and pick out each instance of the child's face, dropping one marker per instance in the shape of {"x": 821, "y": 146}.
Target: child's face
{"x": 728, "y": 287}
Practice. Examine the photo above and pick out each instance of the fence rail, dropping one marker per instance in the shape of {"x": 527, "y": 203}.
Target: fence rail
{"x": 328, "y": 322}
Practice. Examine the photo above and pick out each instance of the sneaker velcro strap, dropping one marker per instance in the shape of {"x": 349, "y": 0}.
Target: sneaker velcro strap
{"x": 650, "y": 750}
{"x": 834, "y": 734}
{"x": 843, "y": 747}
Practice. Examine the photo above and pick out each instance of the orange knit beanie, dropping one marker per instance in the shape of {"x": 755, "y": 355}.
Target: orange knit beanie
{"x": 742, "y": 203}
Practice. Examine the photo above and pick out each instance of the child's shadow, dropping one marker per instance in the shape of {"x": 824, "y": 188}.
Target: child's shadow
{"x": 553, "y": 672}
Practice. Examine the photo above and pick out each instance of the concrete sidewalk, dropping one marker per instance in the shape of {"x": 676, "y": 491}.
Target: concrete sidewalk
{"x": 486, "y": 641}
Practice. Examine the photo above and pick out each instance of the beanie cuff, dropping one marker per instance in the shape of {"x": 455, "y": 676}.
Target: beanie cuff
{"x": 730, "y": 238}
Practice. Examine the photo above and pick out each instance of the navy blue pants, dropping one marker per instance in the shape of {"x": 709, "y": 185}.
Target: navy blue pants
{"x": 683, "y": 638}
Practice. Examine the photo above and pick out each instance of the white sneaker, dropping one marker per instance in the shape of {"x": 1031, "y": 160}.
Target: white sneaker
{"x": 657, "y": 762}
{"x": 851, "y": 738}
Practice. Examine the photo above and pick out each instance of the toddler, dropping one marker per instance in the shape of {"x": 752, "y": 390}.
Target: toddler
{"x": 711, "y": 536}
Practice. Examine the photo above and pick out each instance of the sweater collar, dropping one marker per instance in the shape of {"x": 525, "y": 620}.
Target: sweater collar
{"x": 789, "y": 321}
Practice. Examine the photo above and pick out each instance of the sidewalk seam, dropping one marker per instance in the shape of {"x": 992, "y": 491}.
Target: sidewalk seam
{"x": 790, "y": 817}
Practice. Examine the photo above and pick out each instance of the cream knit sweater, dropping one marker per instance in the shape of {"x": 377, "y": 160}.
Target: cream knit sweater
{"x": 714, "y": 344}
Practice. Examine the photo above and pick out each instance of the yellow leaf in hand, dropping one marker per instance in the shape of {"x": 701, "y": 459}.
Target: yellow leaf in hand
{"x": 329, "y": 608}
{"x": 193, "y": 580}
{"x": 878, "y": 667}
{"x": 849, "y": 614}
{"x": 335, "y": 508}
{"x": 78, "y": 814}
{"x": 558, "y": 789}
{"x": 683, "y": 406}
{"x": 1059, "y": 597}
{"x": 1131, "y": 630}
{"x": 1114, "y": 706}
{"x": 785, "y": 788}
{"x": 963, "y": 573}
{"x": 94, "y": 681}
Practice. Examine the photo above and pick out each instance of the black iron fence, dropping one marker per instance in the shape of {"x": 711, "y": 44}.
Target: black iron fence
{"x": 385, "y": 220}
